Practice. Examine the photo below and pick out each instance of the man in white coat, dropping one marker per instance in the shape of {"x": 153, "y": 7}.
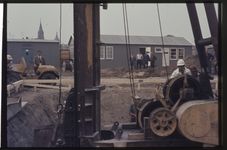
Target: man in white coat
{"x": 181, "y": 69}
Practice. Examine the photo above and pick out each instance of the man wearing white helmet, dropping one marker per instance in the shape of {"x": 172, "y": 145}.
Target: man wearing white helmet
{"x": 181, "y": 69}
{"x": 9, "y": 67}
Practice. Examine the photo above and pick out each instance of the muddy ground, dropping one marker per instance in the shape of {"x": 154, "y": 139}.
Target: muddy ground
{"x": 116, "y": 98}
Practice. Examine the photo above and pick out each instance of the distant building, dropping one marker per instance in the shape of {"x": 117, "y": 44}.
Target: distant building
{"x": 56, "y": 37}
{"x": 40, "y": 32}
{"x": 113, "y": 50}
{"x": 28, "y": 48}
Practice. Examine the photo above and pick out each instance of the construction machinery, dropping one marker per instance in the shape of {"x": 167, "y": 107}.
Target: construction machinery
{"x": 184, "y": 115}
{"x": 22, "y": 71}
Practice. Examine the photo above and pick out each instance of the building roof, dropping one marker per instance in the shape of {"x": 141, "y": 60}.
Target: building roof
{"x": 145, "y": 40}
{"x": 32, "y": 40}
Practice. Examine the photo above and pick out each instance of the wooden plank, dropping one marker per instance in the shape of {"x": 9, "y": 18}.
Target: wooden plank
{"x": 31, "y": 81}
{"x": 15, "y": 84}
{"x": 137, "y": 80}
{"x": 216, "y": 86}
{"x": 102, "y": 81}
{"x": 46, "y": 86}
{"x": 136, "y": 136}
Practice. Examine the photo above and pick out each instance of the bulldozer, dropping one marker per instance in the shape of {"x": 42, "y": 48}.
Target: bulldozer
{"x": 23, "y": 72}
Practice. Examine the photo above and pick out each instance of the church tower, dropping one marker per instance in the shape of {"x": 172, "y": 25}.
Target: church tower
{"x": 40, "y": 32}
{"x": 56, "y": 37}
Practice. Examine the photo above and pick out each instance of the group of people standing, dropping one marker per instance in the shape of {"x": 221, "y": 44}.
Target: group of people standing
{"x": 141, "y": 60}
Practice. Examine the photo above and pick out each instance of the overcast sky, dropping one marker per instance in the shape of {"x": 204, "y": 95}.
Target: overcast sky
{"x": 24, "y": 20}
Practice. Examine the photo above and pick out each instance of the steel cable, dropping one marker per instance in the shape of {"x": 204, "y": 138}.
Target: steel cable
{"x": 162, "y": 40}
{"x": 127, "y": 40}
{"x": 59, "y": 102}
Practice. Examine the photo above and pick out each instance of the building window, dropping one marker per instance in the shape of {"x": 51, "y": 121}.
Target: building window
{"x": 158, "y": 50}
{"x": 109, "y": 52}
{"x": 173, "y": 53}
{"x": 180, "y": 53}
{"x": 102, "y": 52}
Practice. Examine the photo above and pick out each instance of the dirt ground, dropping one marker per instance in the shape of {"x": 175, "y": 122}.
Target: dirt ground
{"x": 116, "y": 98}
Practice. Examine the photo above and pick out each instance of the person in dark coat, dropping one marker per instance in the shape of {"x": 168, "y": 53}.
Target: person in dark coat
{"x": 132, "y": 111}
{"x": 210, "y": 57}
{"x": 200, "y": 77}
{"x": 145, "y": 60}
{"x": 132, "y": 61}
{"x": 9, "y": 68}
{"x": 38, "y": 60}
{"x": 153, "y": 58}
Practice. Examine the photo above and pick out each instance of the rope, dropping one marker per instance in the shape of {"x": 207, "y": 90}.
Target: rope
{"x": 60, "y": 106}
{"x": 162, "y": 40}
{"x": 128, "y": 50}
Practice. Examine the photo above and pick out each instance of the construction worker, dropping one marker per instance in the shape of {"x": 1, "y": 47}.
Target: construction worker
{"x": 38, "y": 60}
{"x": 132, "y": 61}
{"x": 132, "y": 111}
{"x": 181, "y": 69}
{"x": 153, "y": 58}
{"x": 145, "y": 60}
{"x": 210, "y": 57}
{"x": 9, "y": 68}
{"x": 139, "y": 59}
{"x": 198, "y": 75}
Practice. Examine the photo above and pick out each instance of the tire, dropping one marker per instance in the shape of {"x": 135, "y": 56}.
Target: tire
{"x": 15, "y": 77}
{"x": 49, "y": 76}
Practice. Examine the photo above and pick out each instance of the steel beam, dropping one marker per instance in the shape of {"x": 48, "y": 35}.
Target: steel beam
{"x": 75, "y": 139}
{"x": 4, "y": 79}
{"x": 204, "y": 42}
{"x": 96, "y": 66}
{"x": 213, "y": 25}
{"x": 201, "y": 49}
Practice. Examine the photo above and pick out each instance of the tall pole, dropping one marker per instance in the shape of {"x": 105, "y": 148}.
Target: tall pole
{"x": 200, "y": 48}
{"x": 75, "y": 102}
{"x": 4, "y": 81}
{"x": 213, "y": 25}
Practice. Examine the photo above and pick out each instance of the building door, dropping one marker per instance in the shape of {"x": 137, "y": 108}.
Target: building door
{"x": 28, "y": 55}
{"x": 142, "y": 50}
{"x": 148, "y": 50}
{"x": 166, "y": 54}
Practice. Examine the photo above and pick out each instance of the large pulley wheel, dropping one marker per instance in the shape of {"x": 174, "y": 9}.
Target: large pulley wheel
{"x": 174, "y": 86}
{"x": 145, "y": 110}
{"x": 163, "y": 121}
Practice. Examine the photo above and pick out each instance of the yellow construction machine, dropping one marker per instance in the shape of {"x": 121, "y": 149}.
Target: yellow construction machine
{"x": 22, "y": 71}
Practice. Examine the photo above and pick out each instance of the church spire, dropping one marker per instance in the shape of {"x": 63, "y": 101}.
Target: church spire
{"x": 56, "y": 37}
{"x": 40, "y": 32}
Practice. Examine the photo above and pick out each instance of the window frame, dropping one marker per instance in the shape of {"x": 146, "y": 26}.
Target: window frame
{"x": 171, "y": 53}
{"x": 183, "y": 52}
{"x": 106, "y": 48}
{"x": 158, "y": 51}
{"x": 104, "y": 52}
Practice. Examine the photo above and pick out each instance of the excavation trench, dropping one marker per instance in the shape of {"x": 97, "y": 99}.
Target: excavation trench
{"x": 38, "y": 113}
